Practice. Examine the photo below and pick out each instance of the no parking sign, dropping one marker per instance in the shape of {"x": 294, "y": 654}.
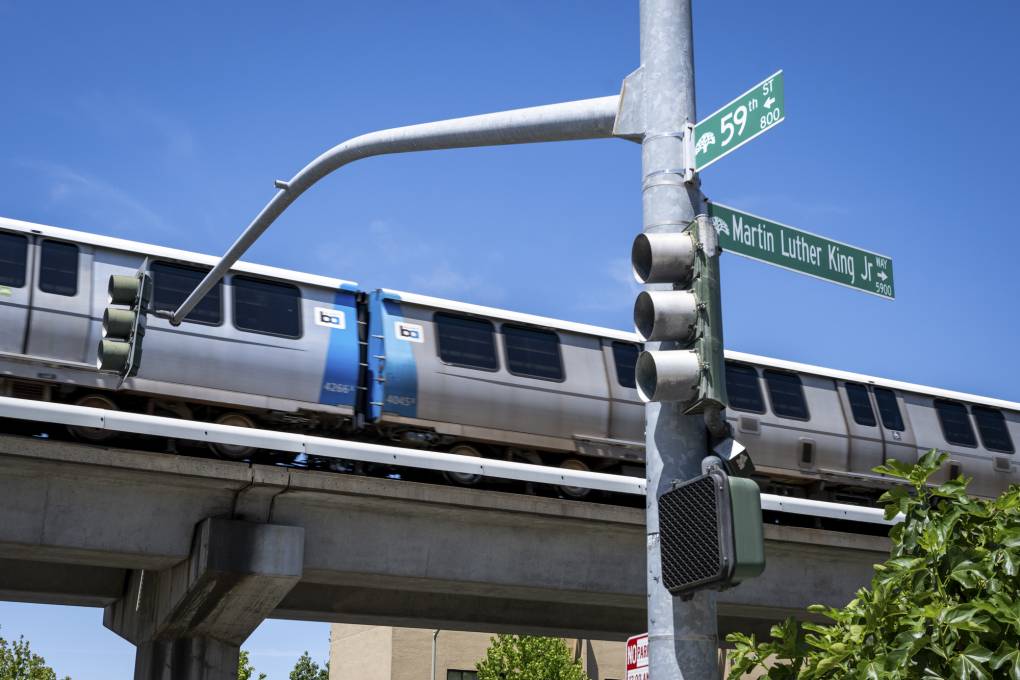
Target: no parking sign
{"x": 637, "y": 657}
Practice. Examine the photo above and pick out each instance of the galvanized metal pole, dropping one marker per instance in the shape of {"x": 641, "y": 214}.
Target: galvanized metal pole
{"x": 435, "y": 636}
{"x": 582, "y": 119}
{"x": 682, "y": 635}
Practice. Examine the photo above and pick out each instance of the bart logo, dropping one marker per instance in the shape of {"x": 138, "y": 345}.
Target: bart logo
{"x": 410, "y": 332}
{"x": 330, "y": 318}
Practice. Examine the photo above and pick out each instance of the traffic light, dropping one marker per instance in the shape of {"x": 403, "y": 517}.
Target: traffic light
{"x": 120, "y": 349}
{"x": 710, "y": 533}
{"x": 687, "y": 317}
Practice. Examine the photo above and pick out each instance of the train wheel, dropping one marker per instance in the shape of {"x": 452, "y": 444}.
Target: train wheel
{"x": 233, "y": 451}
{"x": 575, "y": 492}
{"x": 93, "y": 435}
{"x": 463, "y": 478}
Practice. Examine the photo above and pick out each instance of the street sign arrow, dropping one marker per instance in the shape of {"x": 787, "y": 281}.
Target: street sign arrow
{"x": 752, "y": 113}
{"x": 801, "y": 251}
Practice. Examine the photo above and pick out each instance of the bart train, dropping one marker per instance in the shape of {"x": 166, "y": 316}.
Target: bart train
{"x": 280, "y": 349}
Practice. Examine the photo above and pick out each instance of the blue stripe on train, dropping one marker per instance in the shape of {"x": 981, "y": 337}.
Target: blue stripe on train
{"x": 393, "y": 372}
{"x": 339, "y": 385}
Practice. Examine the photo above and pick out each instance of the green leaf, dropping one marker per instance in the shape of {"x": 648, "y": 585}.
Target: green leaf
{"x": 905, "y": 563}
{"x": 965, "y": 617}
{"x": 928, "y": 464}
{"x": 954, "y": 488}
{"x": 869, "y": 671}
{"x": 1009, "y": 537}
{"x": 1010, "y": 563}
{"x": 894, "y": 468}
{"x": 1009, "y": 657}
{"x": 968, "y": 574}
{"x": 970, "y": 663}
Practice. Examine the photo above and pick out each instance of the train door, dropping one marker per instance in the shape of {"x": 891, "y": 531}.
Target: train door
{"x": 867, "y": 443}
{"x": 897, "y": 429}
{"x": 627, "y": 413}
{"x": 392, "y": 375}
{"x": 61, "y": 300}
{"x": 15, "y": 293}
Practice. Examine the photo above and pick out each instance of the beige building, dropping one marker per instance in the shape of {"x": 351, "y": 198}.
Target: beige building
{"x": 385, "y": 653}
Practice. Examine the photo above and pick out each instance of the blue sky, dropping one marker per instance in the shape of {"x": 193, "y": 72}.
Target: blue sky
{"x": 169, "y": 124}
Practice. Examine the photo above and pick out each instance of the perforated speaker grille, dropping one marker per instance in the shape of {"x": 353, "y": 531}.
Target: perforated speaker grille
{"x": 689, "y": 535}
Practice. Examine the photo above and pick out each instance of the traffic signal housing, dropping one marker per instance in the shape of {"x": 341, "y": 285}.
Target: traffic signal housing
{"x": 710, "y": 532}
{"x": 120, "y": 348}
{"x": 686, "y": 317}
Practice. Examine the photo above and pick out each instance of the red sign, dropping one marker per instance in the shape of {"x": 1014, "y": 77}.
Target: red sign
{"x": 637, "y": 657}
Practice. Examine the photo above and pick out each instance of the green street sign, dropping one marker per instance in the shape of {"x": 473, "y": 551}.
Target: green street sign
{"x": 759, "y": 109}
{"x": 800, "y": 251}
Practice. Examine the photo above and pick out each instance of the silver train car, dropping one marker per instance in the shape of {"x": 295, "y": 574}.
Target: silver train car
{"x": 287, "y": 350}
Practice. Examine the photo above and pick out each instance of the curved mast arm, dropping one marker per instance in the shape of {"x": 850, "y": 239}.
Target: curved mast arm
{"x": 584, "y": 119}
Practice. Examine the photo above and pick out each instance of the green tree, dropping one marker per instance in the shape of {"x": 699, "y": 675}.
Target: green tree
{"x": 526, "y": 657}
{"x": 244, "y": 668}
{"x": 945, "y": 606}
{"x": 19, "y": 662}
{"x": 306, "y": 669}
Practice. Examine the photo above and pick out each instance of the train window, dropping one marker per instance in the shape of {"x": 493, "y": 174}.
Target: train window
{"x": 465, "y": 341}
{"x": 13, "y": 259}
{"x": 786, "y": 394}
{"x": 860, "y": 404}
{"x": 955, "y": 422}
{"x": 625, "y": 357}
{"x": 991, "y": 425}
{"x": 532, "y": 353}
{"x": 268, "y": 307}
{"x": 743, "y": 388}
{"x": 58, "y": 268}
{"x": 888, "y": 409}
{"x": 172, "y": 283}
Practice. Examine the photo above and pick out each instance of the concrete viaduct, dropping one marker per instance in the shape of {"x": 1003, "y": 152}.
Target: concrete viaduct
{"x": 187, "y": 555}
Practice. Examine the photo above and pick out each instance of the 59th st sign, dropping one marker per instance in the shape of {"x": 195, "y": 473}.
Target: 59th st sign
{"x": 759, "y": 109}
{"x": 784, "y": 246}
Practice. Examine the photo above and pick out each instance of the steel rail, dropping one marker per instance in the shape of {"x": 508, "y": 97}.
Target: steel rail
{"x": 161, "y": 426}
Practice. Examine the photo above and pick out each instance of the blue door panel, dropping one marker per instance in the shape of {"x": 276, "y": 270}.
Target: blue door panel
{"x": 393, "y": 373}
{"x": 340, "y": 374}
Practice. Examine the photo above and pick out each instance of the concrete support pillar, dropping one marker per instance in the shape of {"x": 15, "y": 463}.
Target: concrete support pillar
{"x": 189, "y": 621}
{"x": 193, "y": 658}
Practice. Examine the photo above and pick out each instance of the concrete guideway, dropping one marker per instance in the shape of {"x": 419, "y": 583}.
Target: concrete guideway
{"x": 80, "y": 524}
{"x": 325, "y": 447}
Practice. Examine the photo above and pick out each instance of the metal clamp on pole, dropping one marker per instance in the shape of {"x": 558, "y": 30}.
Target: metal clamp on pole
{"x": 689, "y": 174}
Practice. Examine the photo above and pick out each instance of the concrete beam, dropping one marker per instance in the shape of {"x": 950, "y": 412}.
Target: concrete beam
{"x": 190, "y": 620}
{"x": 395, "y": 552}
{"x": 54, "y": 583}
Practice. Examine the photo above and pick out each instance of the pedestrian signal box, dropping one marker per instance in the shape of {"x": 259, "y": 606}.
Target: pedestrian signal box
{"x": 710, "y": 533}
